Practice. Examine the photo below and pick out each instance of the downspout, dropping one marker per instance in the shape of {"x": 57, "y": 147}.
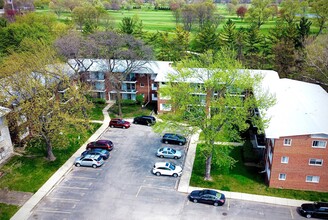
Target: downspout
{"x": 148, "y": 92}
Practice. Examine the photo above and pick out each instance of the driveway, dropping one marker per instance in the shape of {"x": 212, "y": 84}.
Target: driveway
{"x": 125, "y": 188}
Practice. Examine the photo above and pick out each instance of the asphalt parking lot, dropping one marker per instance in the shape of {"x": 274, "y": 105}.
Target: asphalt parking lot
{"x": 125, "y": 188}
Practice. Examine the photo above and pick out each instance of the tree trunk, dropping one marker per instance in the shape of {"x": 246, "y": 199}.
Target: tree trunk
{"x": 208, "y": 167}
{"x": 50, "y": 154}
{"x": 119, "y": 103}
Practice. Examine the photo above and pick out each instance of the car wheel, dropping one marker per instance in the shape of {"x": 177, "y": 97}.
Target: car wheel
{"x": 175, "y": 175}
{"x": 77, "y": 164}
{"x": 195, "y": 200}
{"x": 112, "y": 126}
{"x": 161, "y": 156}
{"x": 216, "y": 204}
{"x": 94, "y": 166}
{"x": 158, "y": 173}
{"x": 166, "y": 142}
{"x": 88, "y": 148}
{"x": 124, "y": 127}
{"x": 180, "y": 143}
{"x": 308, "y": 216}
{"x": 148, "y": 124}
{"x": 175, "y": 157}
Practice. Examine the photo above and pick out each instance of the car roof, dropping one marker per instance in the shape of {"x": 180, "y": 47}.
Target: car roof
{"x": 103, "y": 141}
{"x": 92, "y": 156}
{"x": 162, "y": 164}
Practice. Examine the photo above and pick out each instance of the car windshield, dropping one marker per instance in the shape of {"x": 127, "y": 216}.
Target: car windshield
{"x": 218, "y": 195}
{"x": 173, "y": 151}
{"x": 172, "y": 167}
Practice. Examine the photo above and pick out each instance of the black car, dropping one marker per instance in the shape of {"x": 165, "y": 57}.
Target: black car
{"x": 97, "y": 151}
{"x": 144, "y": 120}
{"x": 207, "y": 196}
{"x": 316, "y": 209}
{"x": 169, "y": 138}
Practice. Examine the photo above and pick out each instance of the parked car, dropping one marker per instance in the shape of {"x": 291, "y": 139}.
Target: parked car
{"x": 170, "y": 138}
{"x": 167, "y": 168}
{"x": 119, "y": 123}
{"x": 97, "y": 151}
{"x": 168, "y": 153}
{"x": 207, "y": 196}
{"x": 89, "y": 161}
{"x": 316, "y": 209}
{"x": 102, "y": 144}
{"x": 144, "y": 120}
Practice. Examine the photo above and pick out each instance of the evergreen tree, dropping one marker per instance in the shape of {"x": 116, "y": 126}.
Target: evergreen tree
{"x": 228, "y": 35}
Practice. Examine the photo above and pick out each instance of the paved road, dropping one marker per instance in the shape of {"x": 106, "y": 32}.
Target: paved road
{"x": 124, "y": 188}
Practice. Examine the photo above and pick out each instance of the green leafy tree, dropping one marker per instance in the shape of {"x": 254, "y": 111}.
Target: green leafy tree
{"x": 31, "y": 80}
{"x": 291, "y": 8}
{"x": 319, "y": 7}
{"x": 128, "y": 25}
{"x": 201, "y": 98}
{"x": 86, "y": 17}
{"x": 207, "y": 38}
{"x": 259, "y": 12}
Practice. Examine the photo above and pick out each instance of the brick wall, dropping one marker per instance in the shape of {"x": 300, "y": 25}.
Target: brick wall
{"x": 297, "y": 168}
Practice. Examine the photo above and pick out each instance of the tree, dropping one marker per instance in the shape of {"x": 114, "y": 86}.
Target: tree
{"x": 188, "y": 17}
{"x": 228, "y": 35}
{"x": 207, "y": 38}
{"x": 204, "y": 12}
{"x": 241, "y": 11}
{"x": 259, "y": 12}
{"x": 303, "y": 30}
{"x": 317, "y": 61}
{"x": 291, "y": 8}
{"x": 31, "y": 80}
{"x": 201, "y": 98}
{"x": 86, "y": 18}
{"x": 253, "y": 41}
{"x": 128, "y": 25}
{"x": 319, "y": 7}
{"x": 57, "y": 6}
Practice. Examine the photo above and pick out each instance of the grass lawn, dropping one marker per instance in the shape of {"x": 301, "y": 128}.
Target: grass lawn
{"x": 244, "y": 179}
{"x": 31, "y": 170}
{"x": 96, "y": 113}
{"x": 7, "y": 211}
{"x": 130, "y": 110}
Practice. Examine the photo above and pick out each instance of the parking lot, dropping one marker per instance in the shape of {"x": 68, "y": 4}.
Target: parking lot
{"x": 125, "y": 188}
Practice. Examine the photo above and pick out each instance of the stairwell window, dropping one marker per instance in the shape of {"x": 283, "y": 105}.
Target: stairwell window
{"x": 319, "y": 144}
{"x": 315, "y": 162}
{"x": 284, "y": 159}
{"x": 312, "y": 179}
{"x": 287, "y": 142}
{"x": 282, "y": 176}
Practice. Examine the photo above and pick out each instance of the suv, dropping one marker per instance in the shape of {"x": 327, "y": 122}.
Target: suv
{"x": 89, "y": 161}
{"x": 103, "y": 144}
{"x": 166, "y": 168}
{"x": 169, "y": 138}
{"x": 317, "y": 209}
{"x": 97, "y": 151}
{"x": 119, "y": 123}
{"x": 144, "y": 120}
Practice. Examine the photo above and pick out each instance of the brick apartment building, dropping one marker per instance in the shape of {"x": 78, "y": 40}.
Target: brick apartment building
{"x": 295, "y": 141}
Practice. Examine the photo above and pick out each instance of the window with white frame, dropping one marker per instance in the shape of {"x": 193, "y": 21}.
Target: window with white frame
{"x": 315, "y": 162}
{"x": 287, "y": 142}
{"x": 319, "y": 144}
{"x": 282, "y": 176}
{"x": 312, "y": 179}
{"x": 284, "y": 159}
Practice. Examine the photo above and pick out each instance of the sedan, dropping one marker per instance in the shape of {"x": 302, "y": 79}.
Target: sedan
{"x": 170, "y": 138}
{"x": 97, "y": 151}
{"x": 168, "y": 153}
{"x": 166, "y": 168}
{"x": 207, "y": 196}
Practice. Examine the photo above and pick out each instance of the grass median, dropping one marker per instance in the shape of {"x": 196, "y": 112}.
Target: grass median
{"x": 244, "y": 179}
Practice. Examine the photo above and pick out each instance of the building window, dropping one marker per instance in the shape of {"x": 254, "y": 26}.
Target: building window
{"x": 287, "y": 142}
{"x": 282, "y": 176}
{"x": 312, "y": 179}
{"x": 142, "y": 84}
{"x": 165, "y": 107}
{"x": 319, "y": 144}
{"x": 315, "y": 162}
{"x": 284, "y": 159}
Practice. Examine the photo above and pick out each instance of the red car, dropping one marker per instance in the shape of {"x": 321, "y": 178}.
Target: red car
{"x": 102, "y": 144}
{"x": 119, "y": 123}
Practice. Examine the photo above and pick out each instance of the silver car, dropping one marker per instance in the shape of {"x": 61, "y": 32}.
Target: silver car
{"x": 168, "y": 153}
{"x": 89, "y": 161}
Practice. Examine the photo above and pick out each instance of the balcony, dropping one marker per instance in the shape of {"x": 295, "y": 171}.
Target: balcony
{"x": 129, "y": 91}
{"x": 130, "y": 79}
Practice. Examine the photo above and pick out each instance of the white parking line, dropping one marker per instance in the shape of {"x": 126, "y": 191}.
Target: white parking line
{"x": 65, "y": 200}
{"x": 291, "y": 213}
{"x": 53, "y": 211}
{"x": 153, "y": 187}
{"x": 73, "y": 187}
{"x": 87, "y": 178}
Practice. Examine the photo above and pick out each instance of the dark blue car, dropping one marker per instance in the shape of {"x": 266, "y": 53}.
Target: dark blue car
{"x": 97, "y": 151}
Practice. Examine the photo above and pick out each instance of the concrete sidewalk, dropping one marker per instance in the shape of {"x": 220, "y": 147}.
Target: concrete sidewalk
{"x": 25, "y": 211}
{"x": 186, "y": 175}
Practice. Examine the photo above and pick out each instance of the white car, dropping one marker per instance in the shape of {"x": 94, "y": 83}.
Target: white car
{"x": 167, "y": 168}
